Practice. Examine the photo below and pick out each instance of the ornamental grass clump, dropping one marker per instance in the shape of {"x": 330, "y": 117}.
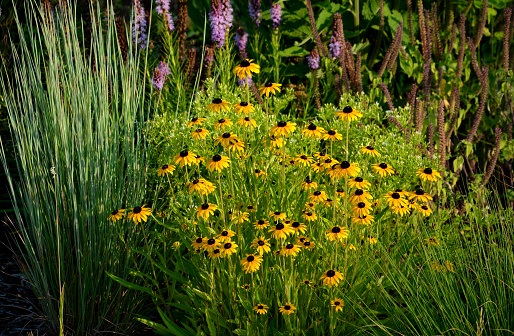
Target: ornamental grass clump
{"x": 77, "y": 126}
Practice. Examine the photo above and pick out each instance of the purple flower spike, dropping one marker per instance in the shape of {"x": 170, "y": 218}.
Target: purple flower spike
{"x": 254, "y": 7}
{"x": 245, "y": 81}
{"x": 163, "y": 8}
{"x": 159, "y": 75}
{"x": 241, "y": 38}
{"x": 313, "y": 59}
{"x": 276, "y": 14}
{"x": 334, "y": 47}
{"x": 221, "y": 18}
{"x": 139, "y": 28}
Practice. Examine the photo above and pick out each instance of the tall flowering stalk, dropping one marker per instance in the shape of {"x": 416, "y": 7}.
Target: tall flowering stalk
{"x": 163, "y": 8}
{"x": 254, "y": 8}
{"x": 159, "y": 75}
{"x": 241, "y": 39}
{"x": 276, "y": 14}
{"x": 139, "y": 27}
{"x": 220, "y": 17}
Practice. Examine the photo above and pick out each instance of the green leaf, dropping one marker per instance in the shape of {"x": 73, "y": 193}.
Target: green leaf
{"x": 158, "y": 328}
{"x": 129, "y": 284}
{"x": 458, "y": 163}
{"x": 394, "y": 20}
{"x": 240, "y": 332}
{"x": 293, "y": 51}
{"x": 175, "y": 330}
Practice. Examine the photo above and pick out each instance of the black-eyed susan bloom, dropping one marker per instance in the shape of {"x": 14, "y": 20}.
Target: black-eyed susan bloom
{"x": 306, "y": 282}
{"x": 223, "y": 123}
{"x": 309, "y": 216}
{"x": 369, "y": 150}
{"x": 245, "y": 69}
{"x": 281, "y": 231}
{"x": 226, "y": 235}
{"x": 428, "y": 174}
{"x": 262, "y": 245}
{"x": 359, "y": 183}
{"x": 332, "y": 135}
{"x": 363, "y": 220}
{"x": 269, "y": 88}
{"x": 277, "y": 215}
{"x": 348, "y": 114}
{"x": 198, "y": 243}
{"x": 283, "y": 129}
{"x": 261, "y": 224}
{"x": 287, "y": 309}
{"x": 228, "y": 248}
{"x": 185, "y": 158}
{"x": 308, "y": 245}
{"x": 425, "y": 210}
{"x": 291, "y": 250}
{"x": 337, "y": 233}
{"x": 394, "y": 198}
{"x": 276, "y": 142}
{"x": 344, "y": 169}
{"x": 117, "y": 214}
{"x": 328, "y": 163}
{"x": 218, "y": 105}
{"x": 318, "y": 196}
{"x": 313, "y": 131}
{"x": 360, "y": 195}
{"x": 246, "y": 287}
{"x": 261, "y": 309}
{"x": 361, "y": 209}
{"x": 304, "y": 160}
{"x": 211, "y": 244}
{"x": 200, "y": 133}
{"x": 372, "y": 240}
{"x": 251, "y": 208}
{"x": 298, "y": 227}
{"x": 196, "y": 121}
{"x": 215, "y": 254}
{"x": 259, "y": 173}
{"x": 139, "y": 214}
{"x": 331, "y": 278}
{"x": 308, "y": 184}
{"x": 240, "y": 217}
{"x": 201, "y": 186}
{"x": 309, "y": 206}
{"x": 340, "y": 192}
{"x": 251, "y": 263}
{"x": 383, "y": 169}
{"x": 205, "y": 210}
{"x": 420, "y": 196}
{"x": 337, "y": 304}
{"x": 218, "y": 162}
{"x": 401, "y": 210}
{"x": 165, "y": 169}
{"x": 247, "y": 122}
{"x": 244, "y": 108}
{"x": 225, "y": 139}
{"x": 237, "y": 145}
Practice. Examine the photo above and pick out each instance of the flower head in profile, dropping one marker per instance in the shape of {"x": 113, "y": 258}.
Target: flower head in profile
{"x": 361, "y": 209}
{"x": 358, "y": 182}
{"x": 283, "y": 128}
{"x": 348, "y": 114}
{"x": 205, "y": 210}
{"x": 344, "y": 169}
{"x": 196, "y": 121}
{"x": 363, "y": 220}
{"x": 218, "y": 105}
{"x": 139, "y": 214}
{"x": 337, "y": 233}
{"x": 298, "y": 227}
{"x": 331, "y": 278}
{"x": 420, "y": 196}
{"x": 165, "y": 169}
{"x": 225, "y": 139}
{"x": 383, "y": 169}
{"x": 369, "y": 150}
{"x": 228, "y": 248}
{"x": 199, "y": 133}
{"x": 425, "y": 210}
{"x": 218, "y": 162}
{"x": 287, "y": 309}
{"x": 247, "y": 122}
{"x": 223, "y": 123}
{"x": 428, "y": 174}
{"x": 308, "y": 184}
{"x": 261, "y": 309}
{"x": 226, "y": 235}
{"x": 313, "y": 131}
{"x": 360, "y": 195}
{"x": 201, "y": 186}
{"x": 269, "y": 88}
{"x": 251, "y": 263}
{"x": 185, "y": 158}
{"x": 332, "y": 135}
{"x": 261, "y": 224}
{"x": 244, "y": 108}
{"x": 198, "y": 243}
{"x": 262, "y": 245}
{"x": 291, "y": 249}
{"x": 318, "y": 196}
{"x": 211, "y": 244}
{"x": 277, "y": 215}
{"x": 281, "y": 231}
{"x": 394, "y": 198}
{"x": 309, "y": 216}
{"x": 245, "y": 68}
{"x": 117, "y": 214}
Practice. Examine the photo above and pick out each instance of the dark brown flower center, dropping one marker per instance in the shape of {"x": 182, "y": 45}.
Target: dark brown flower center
{"x": 347, "y": 109}
{"x": 398, "y": 190}
{"x": 383, "y": 165}
{"x": 194, "y": 119}
{"x": 295, "y": 224}
{"x": 199, "y": 240}
{"x": 250, "y": 207}
{"x": 427, "y": 171}
{"x": 164, "y": 167}
{"x": 227, "y": 246}
{"x": 303, "y": 157}
{"x": 331, "y": 273}
{"x": 361, "y": 205}
{"x": 244, "y": 64}
{"x": 216, "y": 158}
{"x": 345, "y": 164}
{"x": 340, "y": 190}
{"x": 395, "y": 195}
{"x": 420, "y": 192}
{"x": 307, "y": 243}
{"x": 331, "y": 132}
{"x": 226, "y": 135}
{"x": 269, "y": 84}
{"x": 247, "y": 118}
{"x": 260, "y": 222}
{"x": 337, "y": 303}
{"x": 260, "y": 307}
{"x": 115, "y": 212}
{"x": 216, "y": 251}
{"x": 311, "y": 127}
{"x": 211, "y": 241}
{"x": 261, "y": 243}
{"x": 317, "y": 193}
{"x": 370, "y": 147}
{"x": 196, "y": 181}
{"x": 424, "y": 207}
{"x": 243, "y": 104}
{"x": 287, "y": 307}
{"x": 250, "y": 258}
{"x": 257, "y": 171}
{"x": 137, "y": 210}
{"x": 336, "y": 229}
{"x": 359, "y": 179}
{"x": 224, "y": 233}
{"x": 184, "y": 153}
{"x": 309, "y": 214}
{"x": 279, "y": 226}
{"x": 217, "y": 101}
{"x": 205, "y": 206}
{"x": 221, "y": 121}
{"x": 289, "y": 246}
{"x": 277, "y": 213}
{"x": 282, "y": 124}
{"x": 359, "y": 192}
